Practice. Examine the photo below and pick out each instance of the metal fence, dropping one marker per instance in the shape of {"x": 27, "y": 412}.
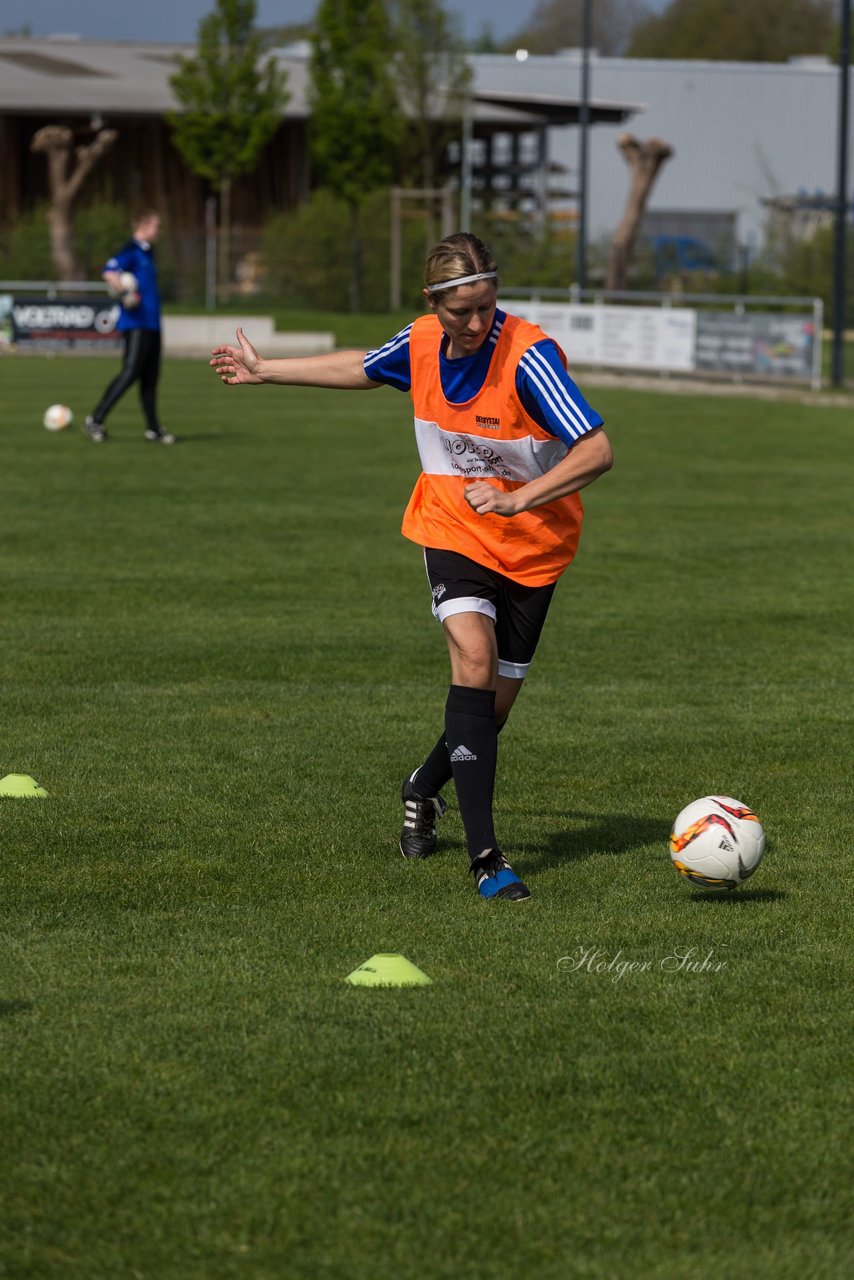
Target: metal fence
{"x": 744, "y": 338}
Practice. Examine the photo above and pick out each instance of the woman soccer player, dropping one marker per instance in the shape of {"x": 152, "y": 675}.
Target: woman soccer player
{"x": 506, "y": 441}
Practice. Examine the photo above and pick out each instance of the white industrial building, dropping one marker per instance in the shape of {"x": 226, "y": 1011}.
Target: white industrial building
{"x": 741, "y": 132}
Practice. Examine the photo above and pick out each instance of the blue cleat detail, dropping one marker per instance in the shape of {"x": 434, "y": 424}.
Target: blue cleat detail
{"x": 495, "y": 878}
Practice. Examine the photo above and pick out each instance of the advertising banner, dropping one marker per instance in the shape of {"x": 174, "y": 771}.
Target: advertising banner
{"x": 757, "y": 343}
{"x": 658, "y": 338}
{"x": 41, "y": 323}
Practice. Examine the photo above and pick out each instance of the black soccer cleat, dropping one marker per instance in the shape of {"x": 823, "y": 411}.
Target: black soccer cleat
{"x": 495, "y": 878}
{"x": 418, "y": 837}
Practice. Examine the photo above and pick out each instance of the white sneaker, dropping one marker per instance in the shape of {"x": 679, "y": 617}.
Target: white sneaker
{"x": 94, "y": 430}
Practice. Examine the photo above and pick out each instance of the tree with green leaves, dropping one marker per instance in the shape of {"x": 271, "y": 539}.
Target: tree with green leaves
{"x": 485, "y": 41}
{"x": 356, "y": 122}
{"x": 557, "y": 24}
{"x": 433, "y": 78}
{"x": 737, "y": 30}
{"x": 232, "y": 106}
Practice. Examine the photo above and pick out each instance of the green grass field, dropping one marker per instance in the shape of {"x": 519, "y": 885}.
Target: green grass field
{"x": 219, "y": 660}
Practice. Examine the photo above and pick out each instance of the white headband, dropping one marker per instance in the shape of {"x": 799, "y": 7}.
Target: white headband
{"x": 452, "y": 284}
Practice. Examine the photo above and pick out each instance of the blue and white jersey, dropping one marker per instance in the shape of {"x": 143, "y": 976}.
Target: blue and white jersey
{"x": 138, "y": 257}
{"x": 544, "y": 387}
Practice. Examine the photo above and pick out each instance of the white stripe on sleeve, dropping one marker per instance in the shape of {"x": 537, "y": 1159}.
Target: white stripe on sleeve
{"x": 555, "y": 393}
{"x": 394, "y": 344}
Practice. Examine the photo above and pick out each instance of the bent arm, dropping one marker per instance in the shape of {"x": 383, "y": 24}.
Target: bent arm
{"x": 584, "y": 463}
{"x": 243, "y": 364}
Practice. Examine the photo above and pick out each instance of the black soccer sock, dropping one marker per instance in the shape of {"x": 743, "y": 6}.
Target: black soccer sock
{"x": 431, "y": 776}
{"x": 472, "y": 737}
{"x": 436, "y": 771}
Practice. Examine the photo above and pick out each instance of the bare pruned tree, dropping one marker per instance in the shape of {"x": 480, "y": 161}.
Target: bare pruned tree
{"x": 644, "y": 160}
{"x": 65, "y": 178}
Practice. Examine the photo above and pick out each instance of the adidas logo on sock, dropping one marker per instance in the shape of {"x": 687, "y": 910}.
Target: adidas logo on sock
{"x": 461, "y": 753}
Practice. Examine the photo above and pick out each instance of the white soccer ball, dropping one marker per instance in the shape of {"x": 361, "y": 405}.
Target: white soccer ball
{"x": 127, "y": 286}
{"x": 717, "y": 842}
{"x": 58, "y": 417}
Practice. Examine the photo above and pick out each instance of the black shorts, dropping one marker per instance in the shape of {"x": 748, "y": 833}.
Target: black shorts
{"x": 460, "y": 585}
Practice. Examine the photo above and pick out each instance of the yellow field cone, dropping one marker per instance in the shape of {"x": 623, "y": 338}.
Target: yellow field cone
{"x": 385, "y": 970}
{"x": 20, "y": 784}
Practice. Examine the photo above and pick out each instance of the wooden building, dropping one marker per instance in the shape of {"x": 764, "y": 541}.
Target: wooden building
{"x": 89, "y": 84}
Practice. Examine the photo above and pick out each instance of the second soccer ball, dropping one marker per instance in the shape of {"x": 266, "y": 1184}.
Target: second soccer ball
{"x": 57, "y": 417}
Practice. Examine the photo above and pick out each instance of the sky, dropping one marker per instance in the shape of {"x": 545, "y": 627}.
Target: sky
{"x": 177, "y": 20}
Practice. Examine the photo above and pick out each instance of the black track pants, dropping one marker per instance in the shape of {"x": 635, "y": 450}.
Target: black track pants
{"x": 141, "y": 364}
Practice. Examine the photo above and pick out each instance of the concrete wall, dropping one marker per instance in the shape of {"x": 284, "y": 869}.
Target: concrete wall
{"x": 196, "y": 335}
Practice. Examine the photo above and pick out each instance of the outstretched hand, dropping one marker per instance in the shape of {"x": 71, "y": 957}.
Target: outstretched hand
{"x": 234, "y": 365}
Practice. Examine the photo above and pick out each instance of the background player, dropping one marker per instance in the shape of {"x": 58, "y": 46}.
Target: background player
{"x": 139, "y": 321}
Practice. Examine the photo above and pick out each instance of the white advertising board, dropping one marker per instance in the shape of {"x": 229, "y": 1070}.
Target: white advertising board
{"x": 660, "y": 338}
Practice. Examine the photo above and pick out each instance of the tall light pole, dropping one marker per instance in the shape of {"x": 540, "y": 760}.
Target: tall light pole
{"x": 583, "y": 139}
{"x": 466, "y": 145}
{"x": 842, "y": 202}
